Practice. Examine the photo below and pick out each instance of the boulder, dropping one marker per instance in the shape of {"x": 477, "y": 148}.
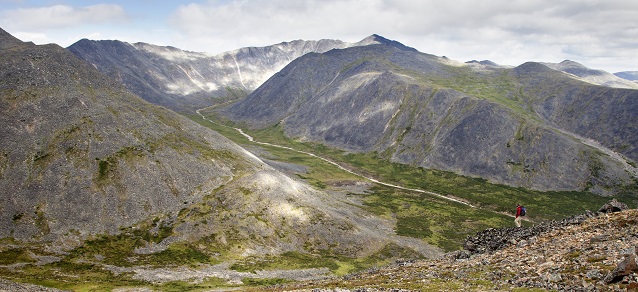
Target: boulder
{"x": 492, "y": 239}
{"x": 613, "y": 206}
{"x": 624, "y": 268}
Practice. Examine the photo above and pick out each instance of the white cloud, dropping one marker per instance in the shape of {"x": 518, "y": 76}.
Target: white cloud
{"x": 598, "y": 33}
{"x": 61, "y": 16}
{"x": 505, "y": 31}
{"x": 39, "y": 38}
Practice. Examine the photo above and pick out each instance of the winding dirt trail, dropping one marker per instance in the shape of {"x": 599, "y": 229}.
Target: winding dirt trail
{"x": 251, "y": 139}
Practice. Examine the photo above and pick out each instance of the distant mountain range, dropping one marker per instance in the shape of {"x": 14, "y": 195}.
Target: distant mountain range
{"x": 536, "y": 125}
{"x": 599, "y": 77}
{"x": 629, "y": 75}
{"x": 581, "y": 72}
{"x": 185, "y": 81}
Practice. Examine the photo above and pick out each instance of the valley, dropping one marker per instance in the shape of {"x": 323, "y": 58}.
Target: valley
{"x": 405, "y": 184}
{"x": 251, "y": 139}
{"x": 138, "y": 167}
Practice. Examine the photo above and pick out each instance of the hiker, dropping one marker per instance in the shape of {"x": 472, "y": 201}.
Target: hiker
{"x": 520, "y": 212}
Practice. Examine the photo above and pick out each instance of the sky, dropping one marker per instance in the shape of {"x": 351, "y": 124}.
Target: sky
{"x": 598, "y": 34}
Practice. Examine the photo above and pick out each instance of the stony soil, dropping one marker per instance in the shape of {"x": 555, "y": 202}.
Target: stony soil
{"x": 592, "y": 252}
{"x": 598, "y": 254}
{"x": 9, "y": 286}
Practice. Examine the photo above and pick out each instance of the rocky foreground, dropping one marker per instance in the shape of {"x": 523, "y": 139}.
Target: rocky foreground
{"x": 595, "y": 251}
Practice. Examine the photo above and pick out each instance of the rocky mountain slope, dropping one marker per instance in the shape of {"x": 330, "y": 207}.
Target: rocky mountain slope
{"x": 591, "y": 252}
{"x": 184, "y": 80}
{"x": 528, "y": 126}
{"x": 593, "y": 76}
{"x": 81, "y": 157}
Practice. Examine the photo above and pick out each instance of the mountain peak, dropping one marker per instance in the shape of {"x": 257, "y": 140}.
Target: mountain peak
{"x": 7, "y": 40}
{"x": 484, "y": 62}
{"x": 594, "y": 76}
{"x": 572, "y": 64}
{"x": 377, "y": 39}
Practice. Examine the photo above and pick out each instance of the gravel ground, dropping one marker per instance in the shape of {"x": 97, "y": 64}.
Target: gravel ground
{"x": 222, "y": 271}
{"x": 9, "y": 286}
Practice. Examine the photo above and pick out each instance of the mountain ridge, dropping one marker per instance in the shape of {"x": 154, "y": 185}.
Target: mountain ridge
{"x": 377, "y": 39}
{"x": 628, "y": 75}
{"x": 186, "y": 81}
{"x": 426, "y": 111}
{"x": 7, "y": 40}
{"x": 600, "y": 77}
{"x": 86, "y": 160}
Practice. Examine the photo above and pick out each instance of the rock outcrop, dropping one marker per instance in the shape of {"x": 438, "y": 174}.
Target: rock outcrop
{"x": 494, "y": 239}
{"x": 580, "y": 253}
{"x": 613, "y": 206}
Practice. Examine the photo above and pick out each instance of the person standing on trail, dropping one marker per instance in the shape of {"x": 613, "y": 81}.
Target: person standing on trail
{"x": 519, "y": 215}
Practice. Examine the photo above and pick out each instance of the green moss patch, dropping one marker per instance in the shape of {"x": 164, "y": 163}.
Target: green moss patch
{"x": 14, "y": 256}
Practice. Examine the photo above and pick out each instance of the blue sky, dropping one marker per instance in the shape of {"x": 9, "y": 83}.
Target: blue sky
{"x": 598, "y": 34}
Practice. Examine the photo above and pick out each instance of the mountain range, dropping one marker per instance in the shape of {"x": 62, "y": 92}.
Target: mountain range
{"x": 101, "y": 174}
{"x": 185, "y": 81}
{"x": 530, "y": 126}
{"x": 345, "y": 73}
{"x": 593, "y": 76}
{"x": 628, "y": 75}
{"x": 81, "y": 156}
